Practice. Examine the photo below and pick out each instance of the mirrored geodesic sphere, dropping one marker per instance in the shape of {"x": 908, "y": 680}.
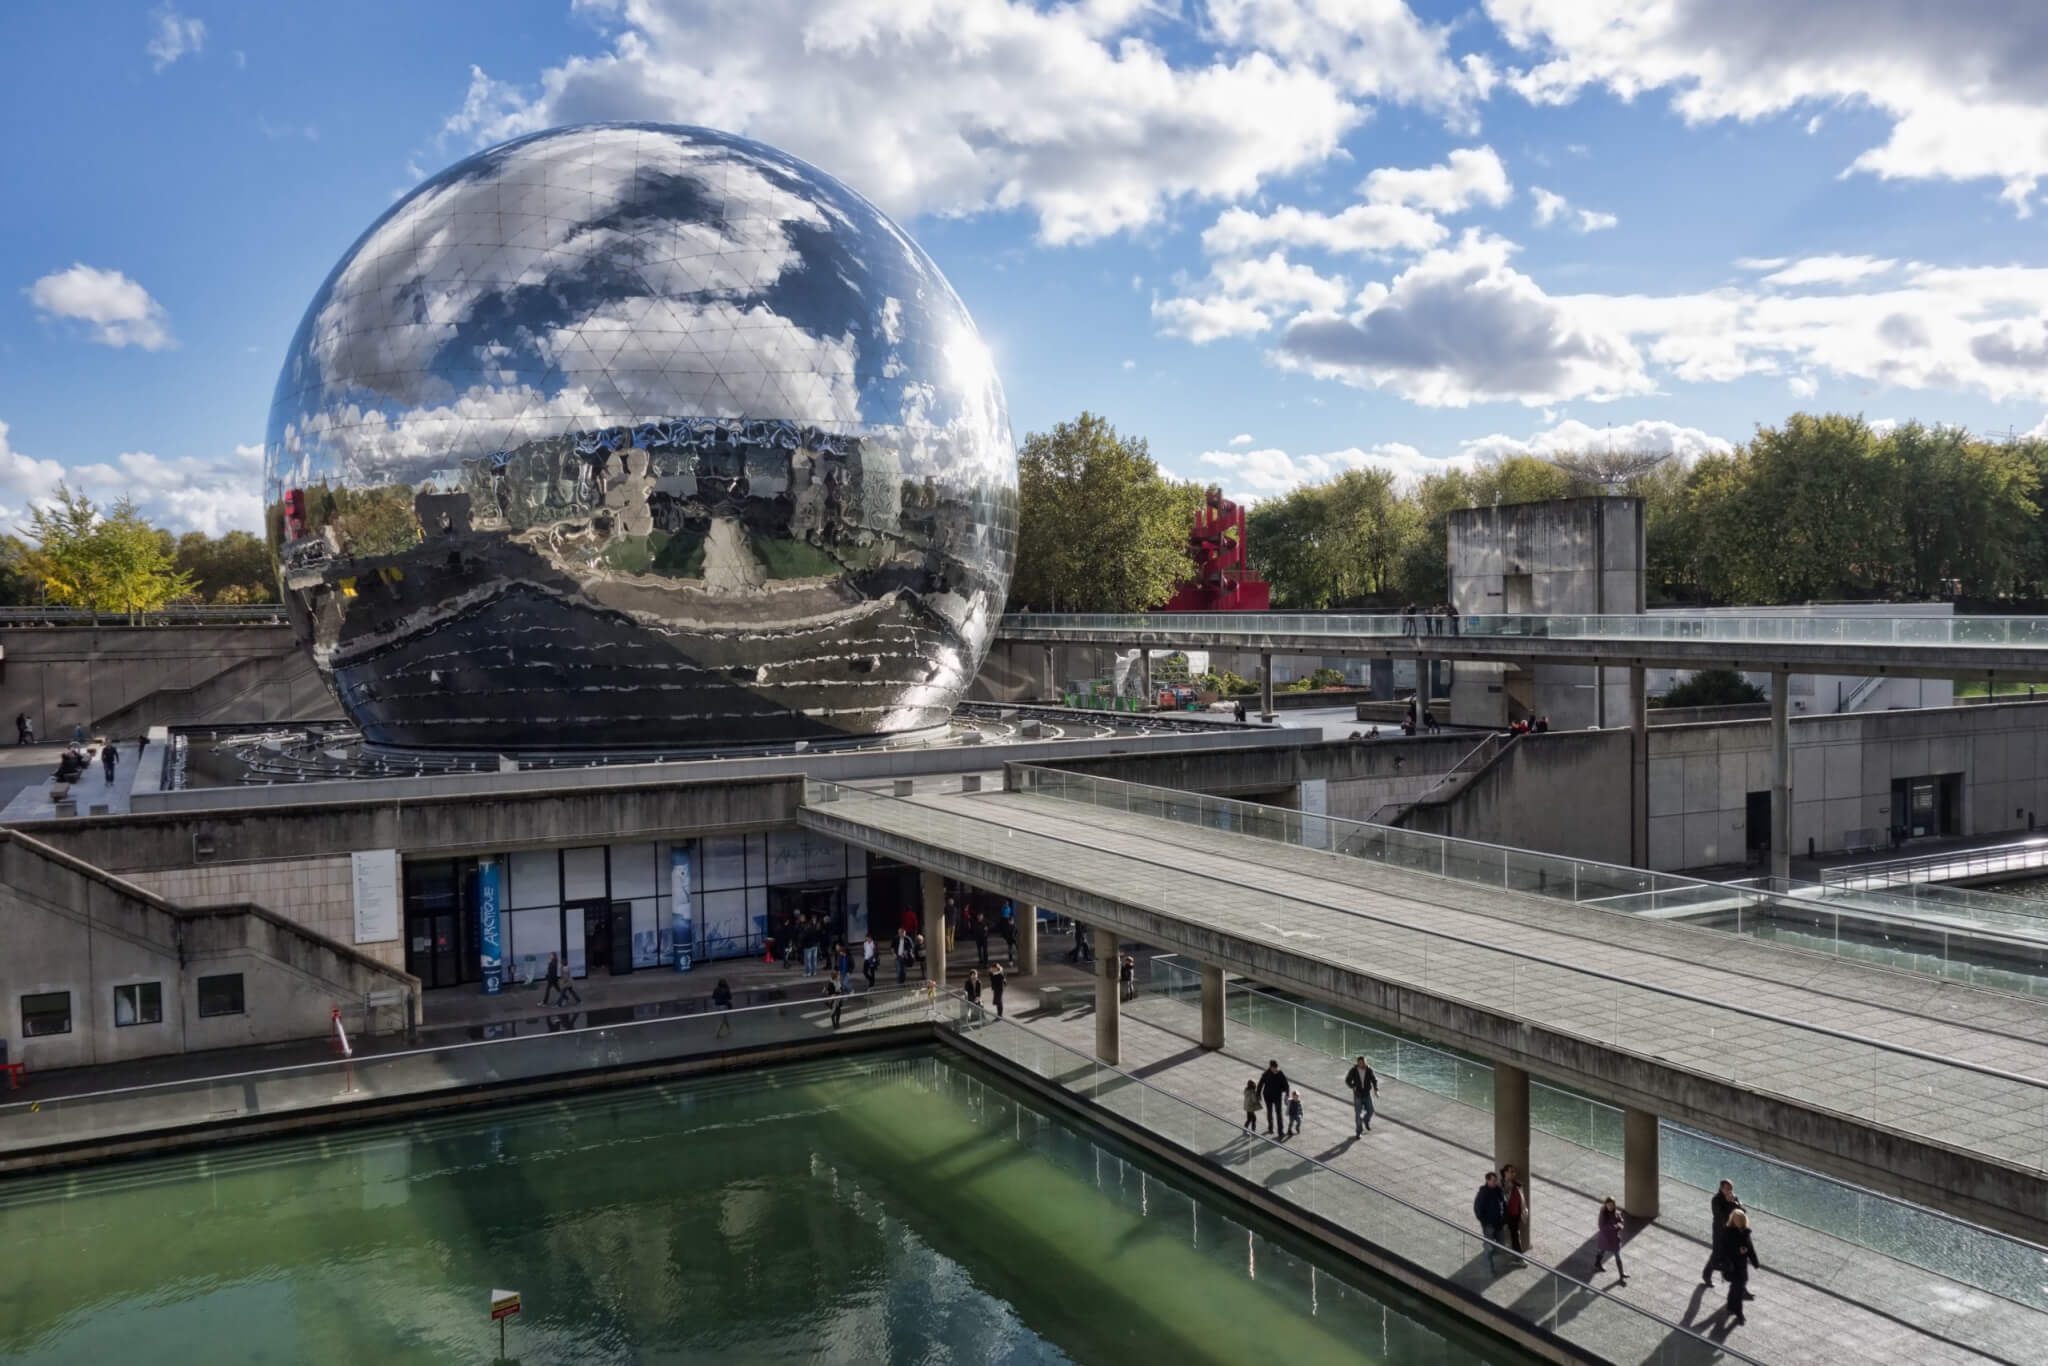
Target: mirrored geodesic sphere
{"x": 628, "y": 436}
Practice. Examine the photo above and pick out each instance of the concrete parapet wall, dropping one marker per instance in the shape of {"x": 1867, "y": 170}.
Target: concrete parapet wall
{"x": 71, "y": 676}
{"x": 316, "y": 893}
{"x": 70, "y": 927}
{"x": 1565, "y": 792}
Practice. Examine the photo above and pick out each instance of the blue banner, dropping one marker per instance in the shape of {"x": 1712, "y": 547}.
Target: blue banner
{"x": 682, "y": 925}
{"x": 490, "y": 925}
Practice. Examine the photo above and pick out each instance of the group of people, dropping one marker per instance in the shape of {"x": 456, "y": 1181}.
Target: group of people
{"x": 1283, "y": 1103}
{"x": 1440, "y": 620}
{"x": 1524, "y": 726}
{"x": 996, "y": 982}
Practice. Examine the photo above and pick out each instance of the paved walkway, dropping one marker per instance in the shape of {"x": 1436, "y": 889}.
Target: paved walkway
{"x": 1311, "y": 907}
{"x": 1819, "y": 1300}
{"x": 31, "y": 801}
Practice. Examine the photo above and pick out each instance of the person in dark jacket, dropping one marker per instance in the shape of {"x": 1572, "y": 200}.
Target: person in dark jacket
{"x": 1736, "y": 1254}
{"x": 1724, "y": 1203}
{"x": 1607, "y": 1240}
{"x": 1273, "y": 1090}
{"x": 1363, "y": 1084}
{"x": 974, "y": 985}
{"x": 1490, "y": 1208}
{"x": 981, "y": 937}
{"x": 721, "y": 1000}
{"x": 995, "y": 988}
{"x": 832, "y": 993}
{"x": 109, "y": 756}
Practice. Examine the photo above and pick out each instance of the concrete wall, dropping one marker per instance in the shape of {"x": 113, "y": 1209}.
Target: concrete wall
{"x": 70, "y": 927}
{"x": 1565, "y": 792}
{"x": 70, "y": 676}
{"x": 1564, "y": 557}
{"x": 317, "y": 893}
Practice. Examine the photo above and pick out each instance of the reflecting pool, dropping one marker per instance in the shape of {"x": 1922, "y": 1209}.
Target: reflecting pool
{"x": 900, "y": 1208}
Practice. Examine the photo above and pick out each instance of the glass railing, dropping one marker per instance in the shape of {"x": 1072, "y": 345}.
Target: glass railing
{"x": 1608, "y": 1328}
{"x": 1989, "y": 1111}
{"x": 1900, "y": 936}
{"x": 64, "y": 1121}
{"x": 2020, "y": 858}
{"x": 1947, "y": 632}
{"x": 1950, "y": 1247}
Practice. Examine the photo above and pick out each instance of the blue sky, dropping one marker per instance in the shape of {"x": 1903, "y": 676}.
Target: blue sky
{"x": 1276, "y": 239}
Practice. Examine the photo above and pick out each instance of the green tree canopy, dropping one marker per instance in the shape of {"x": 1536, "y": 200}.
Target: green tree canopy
{"x": 1100, "y": 529}
{"x": 108, "y": 562}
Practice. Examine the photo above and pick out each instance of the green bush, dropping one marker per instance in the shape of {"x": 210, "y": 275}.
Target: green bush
{"x": 1711, "y": 688}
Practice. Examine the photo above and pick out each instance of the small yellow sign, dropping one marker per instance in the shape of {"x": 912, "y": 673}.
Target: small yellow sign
{"x": 504, "y": 1303}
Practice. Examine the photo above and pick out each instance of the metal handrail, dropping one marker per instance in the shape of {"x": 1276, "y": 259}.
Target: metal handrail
{"x": 983, "y": 1020}
{"x": 1910, "y": 631}
{"x": 262, "y": 613}
{"x": 1976, "y": 862}
{"x": 1750, "y": 1012}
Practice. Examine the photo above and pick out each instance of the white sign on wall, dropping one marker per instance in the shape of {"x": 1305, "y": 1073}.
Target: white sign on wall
{"x": 375, "y": 875}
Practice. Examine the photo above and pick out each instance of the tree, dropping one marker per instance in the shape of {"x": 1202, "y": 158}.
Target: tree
{"x": 1711, "y": 688}
{"x": 235, "y": 567}
{"x": 1965, "y": 514}
{"x": 112, "y": 562}
{"x": 1099, "y": 528}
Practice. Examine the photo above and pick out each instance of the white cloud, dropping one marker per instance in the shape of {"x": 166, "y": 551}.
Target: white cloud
{"x": 1461, "y": 326}
{"x": 1470, "y": 175}
{"x": 120, "y": 311}
{"x": 1071, "y": 112}
{"x": 1241, "y": 439}
{"x": 1760, "y": 262}
{"x": 2037, "y": 432}
{"x": 212, "y": 496}
{"x": 1367, "y": 229}
{"x": 1269, "y": 472}
{"x": 1130, "y": 365}
{"x": 1828, "y": 270}
{"x": 1246, "y": 297}
{"x": 174, "y": 36}
{"x": 1550, "y": 207}
{"x": 1645, "y": 436}
{"x": 1803, "y": 386}
{"x": 1960, "y": 83}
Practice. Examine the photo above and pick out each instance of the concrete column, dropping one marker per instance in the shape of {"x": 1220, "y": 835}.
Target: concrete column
{"x": 1781, "y": 773}
{"x": 1108, "y": 1009}
{"x": 1639, "y": 770}
{"x": 934, "y": 886}
{"x": 1212, "y": 1007}
{"x": 1639, "y": 1188}
{"x": 1266, "y": 686}
{"x": 1145, "y": 674}
{"x": 1511, "y": 1133}
{"x": 1027, "y": 941}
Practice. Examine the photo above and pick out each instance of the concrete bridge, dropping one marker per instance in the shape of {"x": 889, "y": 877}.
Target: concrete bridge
{"x": 1933, "y": 1091}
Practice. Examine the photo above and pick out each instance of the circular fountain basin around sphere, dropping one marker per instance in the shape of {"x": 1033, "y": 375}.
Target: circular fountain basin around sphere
{"x": 630, "y": 436}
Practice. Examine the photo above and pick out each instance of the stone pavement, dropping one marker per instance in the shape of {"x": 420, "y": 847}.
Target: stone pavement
{"x": 31, "y": 801}
{"x": 1819, "y": 1300}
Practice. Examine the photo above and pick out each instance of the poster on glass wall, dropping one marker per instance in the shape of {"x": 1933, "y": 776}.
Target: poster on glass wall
{"x": 682, "y": 933}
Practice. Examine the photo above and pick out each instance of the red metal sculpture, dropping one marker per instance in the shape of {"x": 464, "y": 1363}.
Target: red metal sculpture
{"x": 1223, "y": 581}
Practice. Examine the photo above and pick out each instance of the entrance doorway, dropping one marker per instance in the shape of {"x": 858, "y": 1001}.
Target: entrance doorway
{"x": 607, "y": 935}
{"x": 441, "y": 932}
{"x": 1756, "y": 825}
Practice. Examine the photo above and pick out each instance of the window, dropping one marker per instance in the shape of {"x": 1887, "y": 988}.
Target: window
{"x": 220, "y": 995}
{"x": 139, "y": 1003}
{"x": 45, "y": 1012}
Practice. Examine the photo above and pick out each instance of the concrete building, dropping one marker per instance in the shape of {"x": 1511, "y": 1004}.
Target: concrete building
{"x": 1573, "y": 556}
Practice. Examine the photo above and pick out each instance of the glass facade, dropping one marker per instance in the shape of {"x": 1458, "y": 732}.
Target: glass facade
{"x": 627, "y": 436}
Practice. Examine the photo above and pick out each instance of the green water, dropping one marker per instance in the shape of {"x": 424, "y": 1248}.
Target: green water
{"x": 901, "y": 1208}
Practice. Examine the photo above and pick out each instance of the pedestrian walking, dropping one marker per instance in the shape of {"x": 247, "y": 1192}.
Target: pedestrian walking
{"x": 1451, "y": 617}
{"x": 1607, "y": 1240}
{"x": 721, "y": 1000}
{"x": 1273, "y": 1089}
{"x": 870, "y": 961}
{"x": 842, "y": 959}
{"x": 838, "y": 999}
{"x": 906, "y": 949}
{"x": 1408, "y": 620}
{"x": 1009, "y": 928}
{"x": 974, "y": 986}
{"x": 1238, "y": 707}
{"x": 109, "y": 757}
{"x": 1736, "y": 1252}
{"x": 995, "y": 988}
{"x": 24, "y": 729}
{"x": 1518, "y": 1204}
{"x": 1724, "y": 1203}
{"x": 807, "y": 935}
{"x": 1293, "y": 1113}
{"x": 1363, "y": 1083}
{"x": 1490, "y": 1208}
{"x": 981, "y": 937}
{"x": 1251, "y": 1105}
{"x": 1127, "y": 979}
{"x": 554, "y": 982}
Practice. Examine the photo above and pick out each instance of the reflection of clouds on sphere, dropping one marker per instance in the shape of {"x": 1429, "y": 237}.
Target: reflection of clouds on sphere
{"x": 634, "y": 436}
